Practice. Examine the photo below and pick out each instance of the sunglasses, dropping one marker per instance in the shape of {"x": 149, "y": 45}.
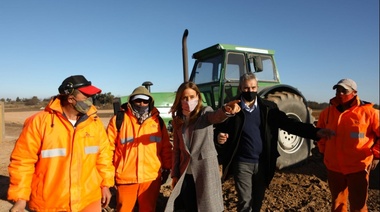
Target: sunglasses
{"x": 141, "y": 100}
{"x": 343, "y": 91}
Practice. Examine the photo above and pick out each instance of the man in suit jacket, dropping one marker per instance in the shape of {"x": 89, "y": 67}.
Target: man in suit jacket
{"x": 248, "y": 143}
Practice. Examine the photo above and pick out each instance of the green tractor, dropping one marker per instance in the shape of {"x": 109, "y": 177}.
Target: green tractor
{"x": 216, "y": 72}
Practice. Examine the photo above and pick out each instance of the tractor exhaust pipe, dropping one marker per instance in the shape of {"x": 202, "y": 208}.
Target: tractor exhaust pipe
{"x": 184, "y": 56}
{"x": 147, "y": 85}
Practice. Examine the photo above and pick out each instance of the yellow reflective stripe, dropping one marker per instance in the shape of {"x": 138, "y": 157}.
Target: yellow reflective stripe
{"x": 91, "y": 149}
{"x": 49, "y": 153}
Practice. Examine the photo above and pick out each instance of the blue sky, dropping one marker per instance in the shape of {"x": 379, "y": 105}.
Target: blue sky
{"x": 120, "y": 44}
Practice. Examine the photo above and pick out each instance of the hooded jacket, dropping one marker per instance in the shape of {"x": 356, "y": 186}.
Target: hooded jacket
{"x": 141, "y": 150}
{"x": 56, "y": 166}
{"x": 357, "y": 130}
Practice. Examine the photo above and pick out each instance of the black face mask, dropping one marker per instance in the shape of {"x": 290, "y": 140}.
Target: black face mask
{"x": 249, "y": 96}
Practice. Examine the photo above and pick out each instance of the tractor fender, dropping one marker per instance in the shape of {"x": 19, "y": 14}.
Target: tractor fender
{"x": 279, "y": 88}
{"x": 266, "y": 91}
{"x": 293, "y": 149}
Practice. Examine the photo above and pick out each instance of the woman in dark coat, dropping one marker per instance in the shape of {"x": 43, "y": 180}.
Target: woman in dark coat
{"x": 195, "y": 171}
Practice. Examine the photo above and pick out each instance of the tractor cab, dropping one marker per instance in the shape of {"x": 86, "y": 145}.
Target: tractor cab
{"x": 217, "y": 70}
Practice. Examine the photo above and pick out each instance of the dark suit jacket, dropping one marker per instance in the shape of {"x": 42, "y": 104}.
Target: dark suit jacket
{"x": 271, "y": 120}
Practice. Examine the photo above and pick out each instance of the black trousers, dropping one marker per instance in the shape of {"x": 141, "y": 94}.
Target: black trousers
{"x": 187, "y": 200}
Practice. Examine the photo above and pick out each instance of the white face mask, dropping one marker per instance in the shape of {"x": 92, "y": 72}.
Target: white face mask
{"x": 189, "y": 106}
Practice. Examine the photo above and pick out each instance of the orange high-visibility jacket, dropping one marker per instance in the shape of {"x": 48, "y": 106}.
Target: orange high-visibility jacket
{"x": 58, "y": 167}
{"x": 357, "y": 129}
{"x": 141, "y": 150}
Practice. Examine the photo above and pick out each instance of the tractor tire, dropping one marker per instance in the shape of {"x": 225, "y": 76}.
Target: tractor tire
{"x": 294, "y": 150}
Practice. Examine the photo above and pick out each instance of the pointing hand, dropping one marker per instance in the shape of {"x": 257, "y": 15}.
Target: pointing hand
{"x": 232, "y": 107}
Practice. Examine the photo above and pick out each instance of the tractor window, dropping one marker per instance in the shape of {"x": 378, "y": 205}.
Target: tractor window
{"x": 207, "y": 70}
{"x": 269, "y": 72}
{"x": 216, "y": 96}
{"x": 203, "y": 73}
{"x": 235, "y": 66}
{"x": 230, "y": 93}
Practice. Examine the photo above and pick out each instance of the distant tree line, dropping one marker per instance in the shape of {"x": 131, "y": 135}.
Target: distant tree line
{"x": 102, "y": 100}
{"x": 317, "y": 106}
{"x": 105, "y": 100}
{"x": 320, "y": 106}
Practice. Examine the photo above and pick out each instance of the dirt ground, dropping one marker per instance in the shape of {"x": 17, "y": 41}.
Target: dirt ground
{"x": 302, "y": 188}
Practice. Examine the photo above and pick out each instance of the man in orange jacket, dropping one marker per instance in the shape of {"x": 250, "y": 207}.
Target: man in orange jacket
{"x": 143, "y": 153}
{"x": 354, "y": 151}
{"x": 62, "y": 160}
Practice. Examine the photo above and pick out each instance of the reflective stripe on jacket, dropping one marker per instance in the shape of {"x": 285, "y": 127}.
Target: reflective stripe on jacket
{"x": 141, "y": 150}
{"x": 58, "y": 167}
{"x": 356, "y": 130}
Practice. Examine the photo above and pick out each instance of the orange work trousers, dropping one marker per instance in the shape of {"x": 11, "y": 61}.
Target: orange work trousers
{"x": 93, "y": 207}
{"x": 145, "y": 194}
{"x": 352, "y": 187}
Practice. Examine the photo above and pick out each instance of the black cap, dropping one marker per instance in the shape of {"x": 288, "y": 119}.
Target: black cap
{"x": 78, "y": 82}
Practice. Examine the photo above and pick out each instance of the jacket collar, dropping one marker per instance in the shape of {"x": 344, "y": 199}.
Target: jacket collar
{"x": 355, "y": 102}
{"x": 55, "y": 106}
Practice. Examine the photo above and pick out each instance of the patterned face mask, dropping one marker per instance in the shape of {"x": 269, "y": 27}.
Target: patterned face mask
{"x": 141, "y": 109}
{"x": 141, "y": 112}
{"x": 83, "y": 106}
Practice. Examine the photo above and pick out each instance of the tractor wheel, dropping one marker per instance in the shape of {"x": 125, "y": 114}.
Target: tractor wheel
{"x": 292, "y": 148}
